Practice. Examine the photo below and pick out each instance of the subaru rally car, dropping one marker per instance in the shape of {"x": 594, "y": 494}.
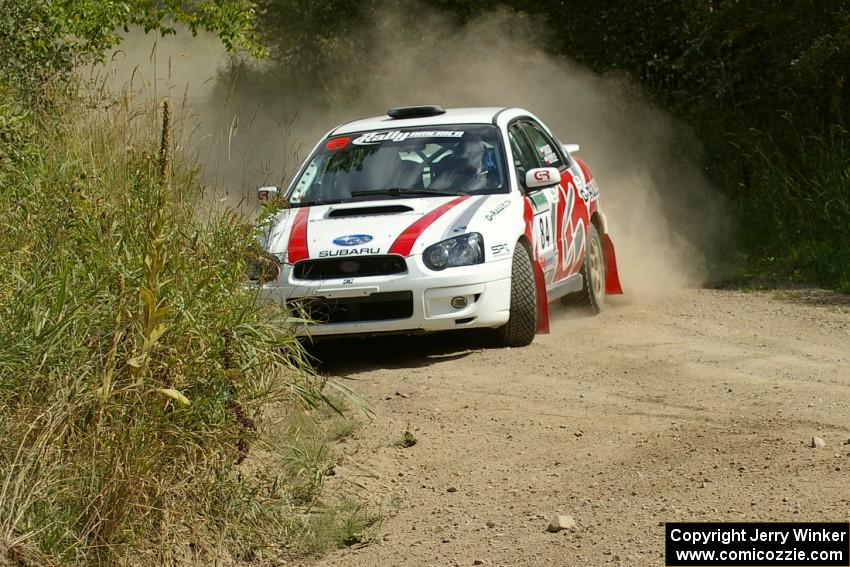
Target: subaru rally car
{"x": 429, "y": 219}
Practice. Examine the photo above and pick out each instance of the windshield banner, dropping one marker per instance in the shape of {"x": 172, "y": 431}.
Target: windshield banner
{"x": 398, "y": 136}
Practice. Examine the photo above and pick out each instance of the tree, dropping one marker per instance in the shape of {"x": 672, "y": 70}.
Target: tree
{"x": 44, "y": 39}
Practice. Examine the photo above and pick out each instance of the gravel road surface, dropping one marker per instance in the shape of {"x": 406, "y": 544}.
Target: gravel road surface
{"x": 697, "y": 406}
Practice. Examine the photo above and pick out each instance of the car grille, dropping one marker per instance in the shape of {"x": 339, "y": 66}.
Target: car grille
{"x": 349, "y": 267}
{"x": 375, "y": 307}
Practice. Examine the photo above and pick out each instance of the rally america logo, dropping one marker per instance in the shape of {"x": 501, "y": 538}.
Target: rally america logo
{"x": 398, "y": 136}
{"x": 353, "y": 240}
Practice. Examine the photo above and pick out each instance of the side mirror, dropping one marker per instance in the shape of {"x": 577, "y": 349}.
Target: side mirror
{"x": 571, "y": 148}
{"x": 542, "y": 177}
{"x": 266, "y": 194}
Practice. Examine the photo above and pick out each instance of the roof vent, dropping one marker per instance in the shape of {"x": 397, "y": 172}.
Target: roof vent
{"x": 416, "y": 111}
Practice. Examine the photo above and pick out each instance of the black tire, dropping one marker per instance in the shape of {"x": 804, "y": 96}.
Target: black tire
{"x": 591, "y": 298}
{"x": 522, "y": 324}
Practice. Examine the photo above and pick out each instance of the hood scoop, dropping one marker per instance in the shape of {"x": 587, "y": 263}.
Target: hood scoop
{"x": 368, "y": 211}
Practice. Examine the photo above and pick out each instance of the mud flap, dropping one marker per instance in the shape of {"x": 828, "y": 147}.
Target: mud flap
{"x": 612, "y": 277}
{"x": 542, "y": 299}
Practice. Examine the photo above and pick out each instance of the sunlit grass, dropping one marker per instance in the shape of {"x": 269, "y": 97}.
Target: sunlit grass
{"x": 135, "y": 364}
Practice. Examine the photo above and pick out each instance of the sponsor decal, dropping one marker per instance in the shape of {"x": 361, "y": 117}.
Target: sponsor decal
{"x": 544, "y": 231}
{"x": 398, "y": 136}
{"x": 337, "y": 143}
{"x": 499, "y": 249}
{"x": 497, "y": 209}
{"x": 352, "y": 239}
{"x": 538, "y": 200}
{"x": 542, "y": 175}
{"x": 549, "y": 156}
{"x": 348, "y": 252}
{"x": 589, "y": 191}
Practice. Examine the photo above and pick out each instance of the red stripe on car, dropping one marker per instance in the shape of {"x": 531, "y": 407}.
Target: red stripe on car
{"x": 560, "y": 272}
{"x": 528, "y": 217}
{"x": 297, "y": 249}
{"x": 588, "y": 177}
{"x": 405, "y": 241}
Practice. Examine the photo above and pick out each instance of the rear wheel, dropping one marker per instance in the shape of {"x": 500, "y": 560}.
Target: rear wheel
{"x": 591, "y": 298}
{"x": 522, "y": 324}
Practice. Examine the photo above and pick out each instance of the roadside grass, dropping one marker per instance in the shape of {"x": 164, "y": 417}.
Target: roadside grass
{"x": 343, "y": 428}
{"x": 302, "y": 446}
{"x": 136, "y": 369}
{"x": 308, "y": 443}
{"x": 349, "y": 522}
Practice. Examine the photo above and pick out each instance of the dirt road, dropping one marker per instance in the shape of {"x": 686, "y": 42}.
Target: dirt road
{"x": 700, "y": 406}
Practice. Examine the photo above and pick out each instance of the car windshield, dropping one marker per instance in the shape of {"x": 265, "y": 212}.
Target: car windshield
{"x": 403, "y": 162}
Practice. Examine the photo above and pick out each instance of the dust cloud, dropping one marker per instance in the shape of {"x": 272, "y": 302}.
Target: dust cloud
{"x": 664, "y": 217}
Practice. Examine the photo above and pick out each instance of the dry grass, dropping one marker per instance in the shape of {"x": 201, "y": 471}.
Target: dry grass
{"x": 135, "y": 366}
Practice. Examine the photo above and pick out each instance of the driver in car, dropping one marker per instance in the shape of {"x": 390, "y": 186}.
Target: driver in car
{"x": 468, "y": 171}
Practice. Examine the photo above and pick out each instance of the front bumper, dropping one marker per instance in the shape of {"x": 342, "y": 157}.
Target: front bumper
{"x": 418, "y": 300}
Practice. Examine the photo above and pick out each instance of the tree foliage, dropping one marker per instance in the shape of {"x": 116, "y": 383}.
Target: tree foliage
{"x": 764, "y": 84}
{"x": 42, "y": 39}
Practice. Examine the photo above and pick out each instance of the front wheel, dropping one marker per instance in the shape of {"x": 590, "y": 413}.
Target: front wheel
{"x": 522, "y": 323}
{"x": 591, "y": 298}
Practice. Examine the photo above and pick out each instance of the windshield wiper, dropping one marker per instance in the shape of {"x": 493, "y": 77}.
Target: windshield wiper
{"x": 393, "y": 191}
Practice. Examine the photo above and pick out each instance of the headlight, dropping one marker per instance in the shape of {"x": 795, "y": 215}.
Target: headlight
{"x": 461, "y": 250}
{"x": 262, "y": 268}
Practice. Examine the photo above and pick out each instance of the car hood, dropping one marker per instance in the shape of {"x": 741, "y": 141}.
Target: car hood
{"x": 392, "y": 226}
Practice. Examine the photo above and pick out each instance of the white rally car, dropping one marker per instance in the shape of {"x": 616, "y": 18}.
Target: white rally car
{"x": 429, "y": 219}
